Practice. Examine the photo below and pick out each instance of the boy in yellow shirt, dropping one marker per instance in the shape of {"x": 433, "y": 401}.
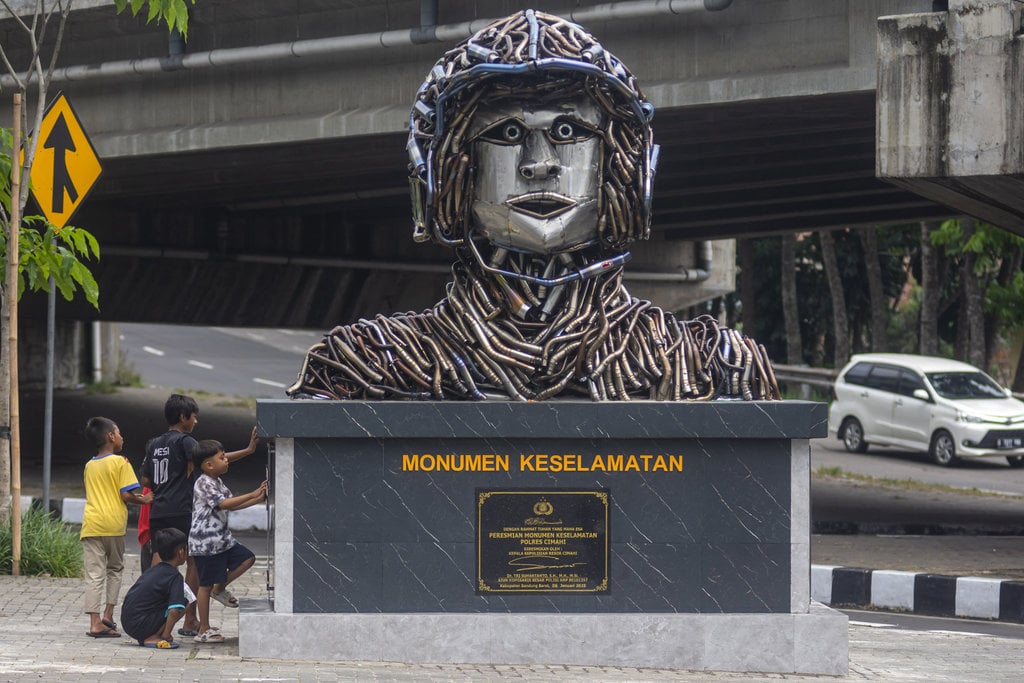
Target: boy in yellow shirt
{"x": 110, "y": 485}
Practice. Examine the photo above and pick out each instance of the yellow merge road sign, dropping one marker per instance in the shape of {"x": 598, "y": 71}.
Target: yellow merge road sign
{"x": 66, "y": 166}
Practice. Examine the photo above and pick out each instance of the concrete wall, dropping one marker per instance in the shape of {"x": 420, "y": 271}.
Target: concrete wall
{"x": 753, "y": 50}
{"x": 950, "y": 97}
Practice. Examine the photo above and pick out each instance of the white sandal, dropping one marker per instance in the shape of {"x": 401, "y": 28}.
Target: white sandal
{"x": 211, "y": 636}
{"x": 225, "y": 597}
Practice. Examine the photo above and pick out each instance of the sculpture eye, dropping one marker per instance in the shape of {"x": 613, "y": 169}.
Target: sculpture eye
{"x": 507, "y": 132}
{"x": 566, "y": 130}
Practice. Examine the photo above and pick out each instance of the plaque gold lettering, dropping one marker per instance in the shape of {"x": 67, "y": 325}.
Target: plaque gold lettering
{"x": 532, "y": 540}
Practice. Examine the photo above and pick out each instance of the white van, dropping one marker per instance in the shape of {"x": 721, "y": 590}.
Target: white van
{"x": 944, "y": 407}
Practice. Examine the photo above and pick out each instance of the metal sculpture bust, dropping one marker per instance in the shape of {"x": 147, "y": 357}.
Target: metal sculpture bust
{"x": 531, "y": 155}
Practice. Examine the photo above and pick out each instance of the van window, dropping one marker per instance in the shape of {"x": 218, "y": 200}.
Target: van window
{"x": 909, "y": 382}
{"x": 956, "y": 385}
{"x": 884, "y": 377}
{"x": 858, "y": 374}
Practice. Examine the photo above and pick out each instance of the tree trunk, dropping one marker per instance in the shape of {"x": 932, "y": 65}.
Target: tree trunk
{"x": 747, "y": 289}
{"x": 840, "y": 319}
{"x": 879, "y": 310}
{"x": 972, "y": 292}
{"x": 931, "y": 291}
{"x": 790, "y": 308}
{"x": 1018, "y": 377}
{"x": 1010, "y": 265}
{"x": 5, "y": 414}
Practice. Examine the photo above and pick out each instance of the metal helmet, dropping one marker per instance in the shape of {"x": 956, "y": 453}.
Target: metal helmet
{"x": 528, "y": 54}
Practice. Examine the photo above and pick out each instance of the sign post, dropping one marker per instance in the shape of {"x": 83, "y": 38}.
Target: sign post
{"x": 65, "y": 168}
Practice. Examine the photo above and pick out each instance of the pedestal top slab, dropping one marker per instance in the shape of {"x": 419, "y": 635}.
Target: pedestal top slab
{"x": 451, "y": 419}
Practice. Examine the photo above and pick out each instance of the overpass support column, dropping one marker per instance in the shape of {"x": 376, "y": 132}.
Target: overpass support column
{"x": 949, "y": 103}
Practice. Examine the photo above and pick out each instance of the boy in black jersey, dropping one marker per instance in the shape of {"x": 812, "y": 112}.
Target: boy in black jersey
{"x": 167, "y": 470}
{"x": 157, "y": 600}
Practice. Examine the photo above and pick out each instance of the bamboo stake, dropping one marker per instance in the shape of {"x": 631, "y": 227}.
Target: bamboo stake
{"x": 12, "y": 307}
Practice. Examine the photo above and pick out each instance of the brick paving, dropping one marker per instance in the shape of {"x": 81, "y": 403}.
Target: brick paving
{"x": 42, "y": 637}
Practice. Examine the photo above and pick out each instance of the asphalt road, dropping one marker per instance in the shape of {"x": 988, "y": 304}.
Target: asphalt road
{"x": 984, "y": 474}
{"x": 258, "y": 363}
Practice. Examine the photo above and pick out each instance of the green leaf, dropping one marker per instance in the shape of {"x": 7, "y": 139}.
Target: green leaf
{"x": 136, "y": 6}
{"x": 87, "y": 282}
{"x": 154, "y": 10}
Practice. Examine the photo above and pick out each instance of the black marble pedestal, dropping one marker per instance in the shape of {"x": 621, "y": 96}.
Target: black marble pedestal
{"x": 706, "y": 536}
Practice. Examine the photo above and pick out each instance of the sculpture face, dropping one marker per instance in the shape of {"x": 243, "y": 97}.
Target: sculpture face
{"x": 538, "y": 169}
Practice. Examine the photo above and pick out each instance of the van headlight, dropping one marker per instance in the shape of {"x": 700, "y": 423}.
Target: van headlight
{"x": 967, "y": 417}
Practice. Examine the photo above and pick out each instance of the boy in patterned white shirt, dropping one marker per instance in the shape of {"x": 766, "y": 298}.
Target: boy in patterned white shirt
{"x": 220, "y": 559}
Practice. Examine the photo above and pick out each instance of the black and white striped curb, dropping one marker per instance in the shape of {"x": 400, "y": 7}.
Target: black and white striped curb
{"x": 932, "y": 594}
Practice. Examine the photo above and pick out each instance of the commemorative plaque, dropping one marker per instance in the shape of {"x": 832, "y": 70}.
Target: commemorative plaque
{"x": 542, "y": 541}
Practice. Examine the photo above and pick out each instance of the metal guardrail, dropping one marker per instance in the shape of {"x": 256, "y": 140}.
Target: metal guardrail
{"x": 802, "y": 374}
{"x": 818, "y": 377}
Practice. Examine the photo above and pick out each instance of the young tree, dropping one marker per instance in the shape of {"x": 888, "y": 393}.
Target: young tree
{"x": 973, "y": 349}
{"x": 790, "y": 307}
{"x": 840, "y": 317}
{"x": 879, "y": 309}
{"x": 47, "y": 253}
{"x": 931, "y": 291}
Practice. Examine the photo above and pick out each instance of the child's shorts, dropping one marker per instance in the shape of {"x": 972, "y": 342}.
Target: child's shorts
{"x": 214, "y": 568}
{"x": 143, "y": 625}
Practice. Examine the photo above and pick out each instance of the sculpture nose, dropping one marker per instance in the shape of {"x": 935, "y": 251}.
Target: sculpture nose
{"x": 539, "y": 161}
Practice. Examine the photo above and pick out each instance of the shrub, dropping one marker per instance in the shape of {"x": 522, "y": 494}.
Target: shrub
{"x": 49, "y": 547}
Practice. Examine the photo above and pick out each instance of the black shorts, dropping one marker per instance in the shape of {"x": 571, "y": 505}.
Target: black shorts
{"x": 214, "y": 568}
{"x": 142, "y": 626}
{"x": 180, "y": 522}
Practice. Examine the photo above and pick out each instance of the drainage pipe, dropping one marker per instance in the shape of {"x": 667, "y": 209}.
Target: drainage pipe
{"x": 318, "y": 47}
{"x": 702, "y": 252}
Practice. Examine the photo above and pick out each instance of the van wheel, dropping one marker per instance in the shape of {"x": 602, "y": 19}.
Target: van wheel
{"x": 1015, "y": 460}
{"x": 852, "y": 435}
{"x": 943, "y": 449}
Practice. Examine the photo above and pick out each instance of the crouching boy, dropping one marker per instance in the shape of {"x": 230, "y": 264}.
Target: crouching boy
{"x": 157, "y": 600}
{"x": 219, "y": 558}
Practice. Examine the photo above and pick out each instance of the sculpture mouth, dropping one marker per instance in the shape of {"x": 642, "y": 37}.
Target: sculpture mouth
{"x": 541, "y": 204}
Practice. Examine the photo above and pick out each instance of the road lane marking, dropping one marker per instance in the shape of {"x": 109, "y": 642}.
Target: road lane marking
{"x": 958, "y": 633}
{"x": 150, "y": 349}
{"x": 871, "y": 624}
{"x": 269, "y": 382}
{"x": 200, "y": 364}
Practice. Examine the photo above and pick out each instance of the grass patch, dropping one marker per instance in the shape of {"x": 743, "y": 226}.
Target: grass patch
{"x": 218, "y": 400}
{"x": 49, "y": 547}
{"x": 99, "y": 388}
{"x": 794, "y": 390}
{"x": 127, "y": 376}
{"x": 904, "y": 484}
{"x": 237, "y": 402}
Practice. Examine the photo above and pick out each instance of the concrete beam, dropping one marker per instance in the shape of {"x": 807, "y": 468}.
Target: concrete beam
{"x": 950, "y": 94}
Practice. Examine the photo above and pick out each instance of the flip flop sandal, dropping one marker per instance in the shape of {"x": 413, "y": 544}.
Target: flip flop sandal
{"x": 188, "y": 632}
{"x": 105, "y": 633}
{"x": 163, "y": 645}
{"x": 225, "y": 597}
{"x": 109, "y": 623}
{"x": 210, "y": 636}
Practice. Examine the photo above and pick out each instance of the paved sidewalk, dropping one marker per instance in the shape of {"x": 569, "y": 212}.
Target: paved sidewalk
{"x": 42, "y": 637}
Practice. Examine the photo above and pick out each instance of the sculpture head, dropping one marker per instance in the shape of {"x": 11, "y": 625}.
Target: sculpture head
{"x": 532, "y": 137}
